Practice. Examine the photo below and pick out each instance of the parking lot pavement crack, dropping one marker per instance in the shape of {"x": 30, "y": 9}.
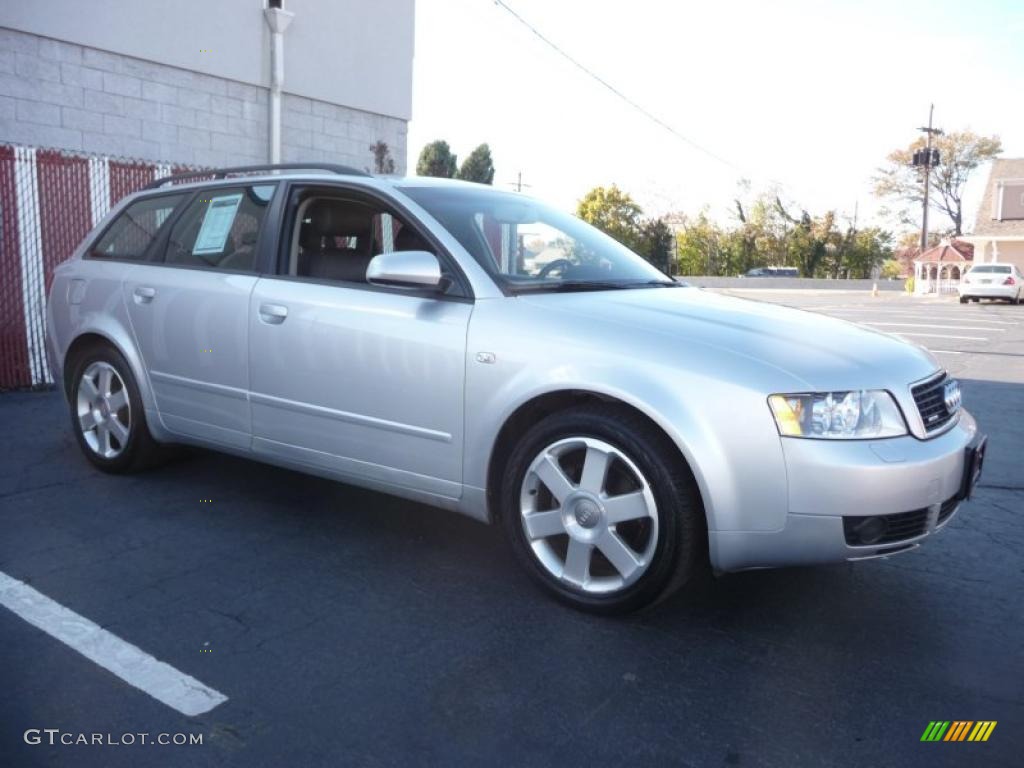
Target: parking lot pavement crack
{"x": 1010, "y": 488}
{"x": 1001, "y": 542}
{"x": 34, "y": 488}
{"x": 237, "y": 619}
{"x": 160, "y": 584}
{"x": 1000, "y": 507}
{"x": 945, "y": 575}
{"x": 67, "y": 566}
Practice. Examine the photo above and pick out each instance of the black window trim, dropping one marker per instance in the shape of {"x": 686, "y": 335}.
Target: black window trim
{"x": 461, "y": 291}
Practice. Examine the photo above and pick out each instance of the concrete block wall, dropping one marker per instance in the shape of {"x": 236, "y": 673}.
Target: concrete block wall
{"x": 61, "y": 95}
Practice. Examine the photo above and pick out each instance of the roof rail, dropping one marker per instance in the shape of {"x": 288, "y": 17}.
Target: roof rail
{"x": 220, "y": 173}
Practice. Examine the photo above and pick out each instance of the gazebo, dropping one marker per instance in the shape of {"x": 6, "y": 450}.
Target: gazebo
{"x": 938, "y": 269}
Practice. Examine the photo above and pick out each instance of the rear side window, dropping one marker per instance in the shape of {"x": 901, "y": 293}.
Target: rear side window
{"x": 219, "y": 229}
{"x": 135, "y": 229}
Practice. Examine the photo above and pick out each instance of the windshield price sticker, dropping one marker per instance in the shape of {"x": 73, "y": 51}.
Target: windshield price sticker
{"x": 220, "y": 215}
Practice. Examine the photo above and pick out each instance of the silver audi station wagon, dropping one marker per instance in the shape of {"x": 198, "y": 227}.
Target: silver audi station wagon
{"x": 481, "y": 351}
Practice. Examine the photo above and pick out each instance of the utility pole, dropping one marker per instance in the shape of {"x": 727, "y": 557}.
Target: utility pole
{"x": 518, "y": 183}
{"x": 927, "y": 158}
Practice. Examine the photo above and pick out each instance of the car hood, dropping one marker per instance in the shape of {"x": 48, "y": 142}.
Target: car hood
{"x": 820, "y": 352}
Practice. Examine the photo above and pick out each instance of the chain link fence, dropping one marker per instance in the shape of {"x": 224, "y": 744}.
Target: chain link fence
{"x": 49, "y": 201}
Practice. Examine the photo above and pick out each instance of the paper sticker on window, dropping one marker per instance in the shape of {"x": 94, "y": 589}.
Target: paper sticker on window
{"x": 220, "y": 215}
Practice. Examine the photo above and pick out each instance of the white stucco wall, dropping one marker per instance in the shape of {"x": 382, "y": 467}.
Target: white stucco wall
{"x": 355, "y": 53}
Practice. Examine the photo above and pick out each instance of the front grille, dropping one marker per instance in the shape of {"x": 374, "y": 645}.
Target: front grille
{"x": 948, "y": 508}
{"x": 930, "y": 398}
{"x": 866, "y": 531}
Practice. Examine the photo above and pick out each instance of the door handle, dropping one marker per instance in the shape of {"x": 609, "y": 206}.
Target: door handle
{"x": 273, "y": 314}
{"x": 144, "y": 294}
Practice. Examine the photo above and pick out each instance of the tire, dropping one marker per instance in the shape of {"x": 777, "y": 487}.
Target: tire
{"x": 642, "y": 512}
{"x": 107, "y": 415}
{"x": 963, "y": 299}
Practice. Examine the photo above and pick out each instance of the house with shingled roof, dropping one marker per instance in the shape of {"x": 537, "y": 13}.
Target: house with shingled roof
{"x": 999, "y": 230}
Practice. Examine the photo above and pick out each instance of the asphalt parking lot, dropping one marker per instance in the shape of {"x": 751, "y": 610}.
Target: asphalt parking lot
{"x": 349, "y": 628}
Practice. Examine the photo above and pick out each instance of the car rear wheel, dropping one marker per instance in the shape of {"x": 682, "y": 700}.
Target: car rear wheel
{"x": 107, "y": 415}
{"x": 600, "y": 512}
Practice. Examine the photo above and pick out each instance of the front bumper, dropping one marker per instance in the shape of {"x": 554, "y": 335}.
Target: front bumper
{"x": 918, "y": 484}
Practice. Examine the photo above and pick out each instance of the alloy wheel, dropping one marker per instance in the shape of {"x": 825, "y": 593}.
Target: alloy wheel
{"x": 589, "y": 515}
{"x": 104, "y": 410}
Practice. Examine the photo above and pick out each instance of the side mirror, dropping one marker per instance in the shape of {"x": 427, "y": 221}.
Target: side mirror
{"x": 405, "y": 269}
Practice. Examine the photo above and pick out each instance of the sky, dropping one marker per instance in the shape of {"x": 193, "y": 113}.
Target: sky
{"x": 805, "y": 95}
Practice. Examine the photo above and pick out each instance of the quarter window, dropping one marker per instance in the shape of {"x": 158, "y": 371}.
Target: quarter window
{"x": 219, "y": 229}
{"x": 132, "y": 232}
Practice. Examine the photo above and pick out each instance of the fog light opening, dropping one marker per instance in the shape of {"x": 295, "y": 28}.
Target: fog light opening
{"x": 870, "y": 529}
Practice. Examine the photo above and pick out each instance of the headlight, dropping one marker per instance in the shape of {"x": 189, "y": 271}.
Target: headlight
{"x": 852, "y": 415}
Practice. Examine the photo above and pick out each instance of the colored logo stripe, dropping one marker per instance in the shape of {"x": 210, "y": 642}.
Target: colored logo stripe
{"x": 958, "y": 730}
{"x": 982, "y": 730}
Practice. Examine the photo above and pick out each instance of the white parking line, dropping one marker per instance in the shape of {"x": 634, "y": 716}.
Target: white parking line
{"x": 932, "y": 325}
{"x": 922, "y": 315}
{"x": 939, "y": 335}
{"x": 133, "y": 665}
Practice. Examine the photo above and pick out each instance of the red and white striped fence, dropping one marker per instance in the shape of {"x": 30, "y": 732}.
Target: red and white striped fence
{"x": 49, "y": 200}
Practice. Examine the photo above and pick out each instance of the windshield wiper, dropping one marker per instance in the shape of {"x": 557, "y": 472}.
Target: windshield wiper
{"x": 567, "y": 286}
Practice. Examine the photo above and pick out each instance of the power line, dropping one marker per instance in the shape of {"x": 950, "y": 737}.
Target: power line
{"x": 593, "y": 75}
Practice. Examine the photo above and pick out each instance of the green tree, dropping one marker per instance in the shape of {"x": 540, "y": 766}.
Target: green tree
{"x": 614, "y": 212}
{"x": 382, "y": 160}
{"x": 891, "y": 268}
{"x": 655, "y": 242}
{"x": 478, "y": 166}
{"x": 437, "y": 159}
{"x": 864, "y": 251}
{"x": 764, "y": 232}
{"x": 701, "y": 246}
{"x": 960, "y": 152}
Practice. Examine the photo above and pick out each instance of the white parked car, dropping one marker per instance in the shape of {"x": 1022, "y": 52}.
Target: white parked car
{"x": 992, "y": 281}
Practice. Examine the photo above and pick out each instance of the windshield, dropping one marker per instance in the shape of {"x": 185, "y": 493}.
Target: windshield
{"x": 528, "y": 245}
{"x": 1001, "y": 270}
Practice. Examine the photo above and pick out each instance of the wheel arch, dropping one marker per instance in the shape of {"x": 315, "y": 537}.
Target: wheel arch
{"x": 93, "y": 337}
{"x": 547, "y": 403}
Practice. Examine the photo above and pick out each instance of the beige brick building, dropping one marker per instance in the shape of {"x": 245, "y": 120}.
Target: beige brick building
{"x": 157, "y": 81}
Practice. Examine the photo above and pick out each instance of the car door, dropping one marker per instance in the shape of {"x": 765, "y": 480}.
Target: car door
{"x": 366, "y": 382}
{"x": 189, "y": 313}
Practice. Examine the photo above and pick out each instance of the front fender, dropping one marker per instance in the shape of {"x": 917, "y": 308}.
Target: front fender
{"x": 723, "y": 429}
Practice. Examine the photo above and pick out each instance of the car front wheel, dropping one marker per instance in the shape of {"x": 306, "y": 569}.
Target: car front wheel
{"x": 601, "y": 511}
